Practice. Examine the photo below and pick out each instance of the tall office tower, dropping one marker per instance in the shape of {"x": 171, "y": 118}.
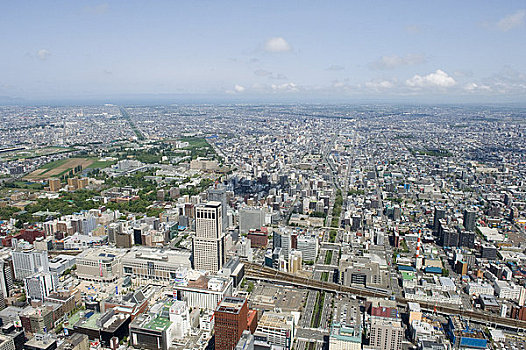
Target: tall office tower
{"x": 283, "y": 239}
{"x": 449, "y": 238}
{"x": 218, "y": 194}
{"x": 28, "y": 262}
{"x": 276, "y": 240}
{"x": 40, "y": 285}
{"x": 440, "y": 213}
{"x": 6, "y": 272}
{"x": 470, "y": 217}
{"x": 308, "y": 246}
{"x": 113, "y": 230}
{"x": 138, "y": 231}
{"x": 231, "y": 319}
{"x": 209, "y": 241}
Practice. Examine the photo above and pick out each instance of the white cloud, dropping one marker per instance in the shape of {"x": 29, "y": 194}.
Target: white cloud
{"x": 395, "y": 61}
{"x": 342, "y": 85}
{"x": 507, "y": 81}
{"x": 277, "y": 44}
{"x": 473, "y": 87}
{"x": 284, "y": 87}
{"x": 239, "y": 88}
{"x": 43, "y": 54}
{"x": 437, "y": 79}
{"x": 509, "y": 22}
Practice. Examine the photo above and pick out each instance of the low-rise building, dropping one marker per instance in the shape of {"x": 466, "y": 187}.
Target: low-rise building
{"x": 475, "y": 288}
{"x": 506, "y": 290}
{"x": 163, "y": 323}
{"x": 345, "y": 337}
{"x": 201, "y": 290}
{"x": 277, "y": 329}
{"x": 100, "y": 264}
{"x": 155, "y": 264}
{"x": 461, "y": 335}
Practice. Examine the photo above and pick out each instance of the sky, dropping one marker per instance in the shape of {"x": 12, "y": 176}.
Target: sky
{"x": 305, "y": 51}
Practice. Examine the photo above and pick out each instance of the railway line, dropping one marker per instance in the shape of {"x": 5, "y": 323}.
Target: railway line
{"x": 258, "y": 272}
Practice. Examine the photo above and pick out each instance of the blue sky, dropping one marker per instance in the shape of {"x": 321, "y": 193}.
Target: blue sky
{"x": 436, "y": 51}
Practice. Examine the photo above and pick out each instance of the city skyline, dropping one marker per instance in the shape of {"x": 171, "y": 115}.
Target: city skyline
{"x": 236, "y": 51}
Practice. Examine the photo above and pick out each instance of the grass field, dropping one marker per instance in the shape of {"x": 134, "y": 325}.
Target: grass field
{"x": 101, "y": 163}
{"x": 195, "y": 142}
{"x": 63, "y": 166}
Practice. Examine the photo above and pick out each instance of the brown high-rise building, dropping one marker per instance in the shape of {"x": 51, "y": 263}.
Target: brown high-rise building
{"x": 230, "y": 321}
{"x": 54, "y": 184}
{"x": 75, "y": 183}
{"x": 123, "y": 240}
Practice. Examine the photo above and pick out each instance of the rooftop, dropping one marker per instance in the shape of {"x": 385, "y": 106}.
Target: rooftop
{"x": 345, "y": 333}
{"x": 276, "y": 320}
{"x": 231, "y": 305}
{"x": 90, "y": 322}
{"x": 158, "y": 323}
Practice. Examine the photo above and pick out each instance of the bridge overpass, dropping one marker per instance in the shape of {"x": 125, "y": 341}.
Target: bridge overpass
{"x": 258, "y": 272}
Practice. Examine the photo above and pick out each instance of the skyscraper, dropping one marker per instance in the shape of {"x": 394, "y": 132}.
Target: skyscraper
{"x": 209, "y": 242}
{"x": 440, "y": 213}
{"x": 231, "y": 319}
{"x": 30, "y": 261}
{"x": 282, "y": 239}
{"x": 6, "y": 272}
{"x": 218, "y": 194}
{"x": 40, "y": 285}
{"x": 470, "y": 217}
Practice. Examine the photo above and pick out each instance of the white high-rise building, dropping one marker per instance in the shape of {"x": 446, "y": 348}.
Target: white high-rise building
{"x": 308, "y": 246}
{"x": 29, "y": 262}
{"x": 283, "y": 239}
{"x": 6, "y": 271}
{"x": 180, "y": 318}
{"x": 244, "y": 249}
{"x": 209, "y": 242}
{"x": 40, "y": 285}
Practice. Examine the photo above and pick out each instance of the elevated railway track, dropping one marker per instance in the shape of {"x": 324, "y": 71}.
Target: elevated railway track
{"x": 258, "y": 272}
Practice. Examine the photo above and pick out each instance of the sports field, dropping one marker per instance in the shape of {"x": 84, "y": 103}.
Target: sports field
{"x": 63, "y": 166}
